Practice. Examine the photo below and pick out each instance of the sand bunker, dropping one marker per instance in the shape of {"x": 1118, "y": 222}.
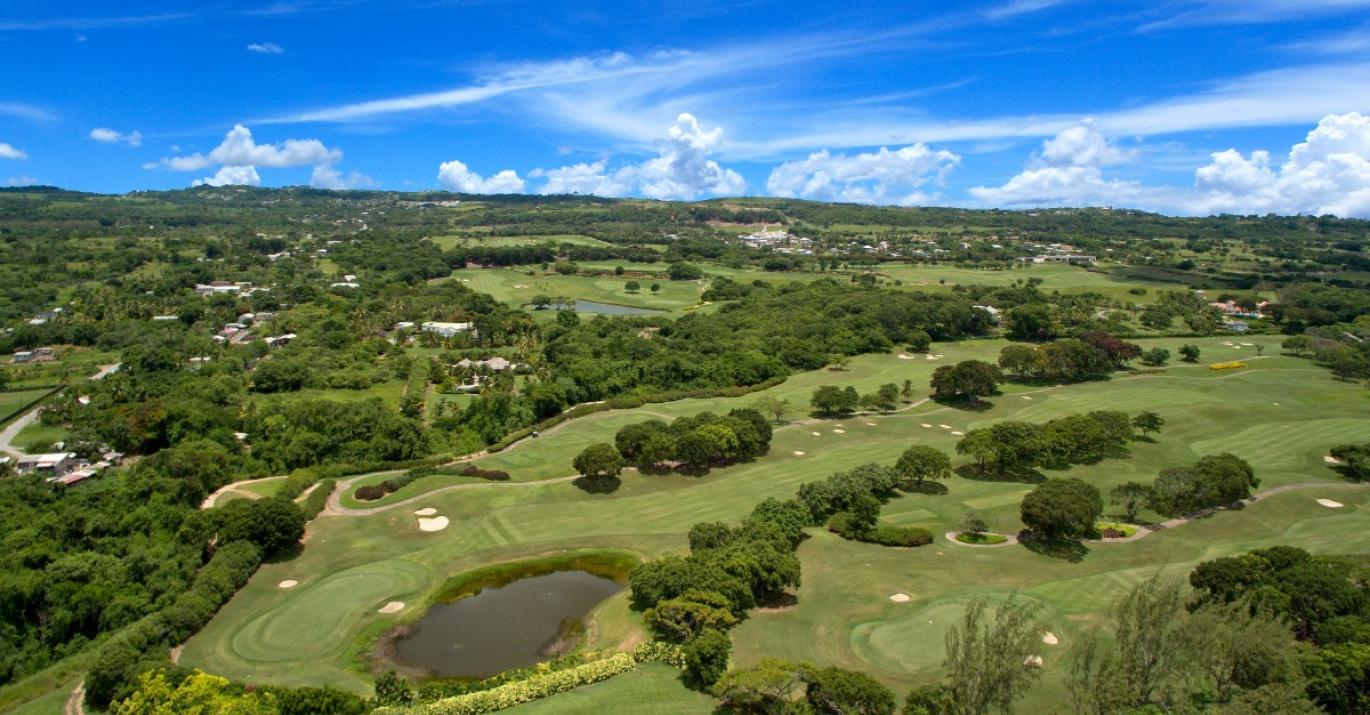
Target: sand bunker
{"x": 930, "y": 357}
{"x": 435, "y": 524}
{"x": 839, "y": 431}
{"x": 958, "y": 434}
{"x": 927, "y": 425}
{"x": 1027, "y": 397}
{"x": 1227, "y": 343}
{"x": 392, "y": 607}
{"x": 818, "y": 434}
{"x": 1330, "y": 459}
{"x": 1050, "y": 638}
{"x": 1331, "y": 504}
{"x": 798, "y": 453}
{"x": 901, "y": 598}
{"x": 870, "y": 424}
{"x": 288, "y": 583}
{"x": 1247, "y": 344}
{"x": 903, "y": 356}
{"x": 945, "y": 426}
{"x": 1033, "y": 660}
{"x": 426, "y": 511}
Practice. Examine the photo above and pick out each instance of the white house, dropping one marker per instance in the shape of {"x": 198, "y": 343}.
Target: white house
{"x": 447, "y": 330}
{"x": 54, "y": 464}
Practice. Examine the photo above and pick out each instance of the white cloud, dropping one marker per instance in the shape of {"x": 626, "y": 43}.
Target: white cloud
{"x": 239, "y": 156}
{"x": 325, "y": 176}
{"x": 22, "y": 181}
{"x": 455, "y": 176}
{"x": 682, "y": 169}
{"x": 110, "y": 136}
{"x": 231, "y": 176}
{"x": 1328, "y": 173}
{"x": 266, "y": 48}
{"x": 1218, "y": 12}
{"x": 8, "y": 151}
{"x": 1068, "y": 171}
{"x": 881, "y": 177}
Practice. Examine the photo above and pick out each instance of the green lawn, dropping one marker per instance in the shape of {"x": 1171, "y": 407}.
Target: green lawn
{"x": 37, "y": 437}
{"x": 1281, "y": 414}
{"x": 449, "y": 242}
{"x": 1055, "y": 277}
{"x": 517, "y": 287}
{"x": 651, "y": 689}
{"x": 10, "y": 402}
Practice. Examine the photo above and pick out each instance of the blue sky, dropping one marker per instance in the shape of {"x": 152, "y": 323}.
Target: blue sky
{"x": 1180, "y": 106}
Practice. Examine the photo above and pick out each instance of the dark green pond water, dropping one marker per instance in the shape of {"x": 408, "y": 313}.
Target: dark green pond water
{"x": 590, "y": 306}
{"x": 502, "y": 628}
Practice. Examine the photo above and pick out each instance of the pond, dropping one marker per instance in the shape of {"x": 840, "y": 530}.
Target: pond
{"x": 513, "y": 626}
{"x": 590, "y": 306}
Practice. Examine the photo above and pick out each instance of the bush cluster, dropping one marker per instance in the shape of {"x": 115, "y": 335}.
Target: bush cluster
{"x": 516, "y": 693}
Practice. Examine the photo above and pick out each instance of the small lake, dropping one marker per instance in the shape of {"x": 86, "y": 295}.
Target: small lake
{"x": 501, "y": 628}
{"x": 590, "y": 306}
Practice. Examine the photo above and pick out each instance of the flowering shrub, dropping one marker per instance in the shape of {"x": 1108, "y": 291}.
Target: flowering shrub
{"x": 1227, "y": 365}
{"x": 517, "y": 693}
{"x": 660, "y": 652}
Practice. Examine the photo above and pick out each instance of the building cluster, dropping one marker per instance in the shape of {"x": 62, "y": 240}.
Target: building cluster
{"x": 778, "y": 240}
{"x": 63, "y": 467}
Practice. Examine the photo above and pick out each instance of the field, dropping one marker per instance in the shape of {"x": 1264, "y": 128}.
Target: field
{"x": 450, "y": 242}
{"x": 353, "y": 563}
{"x": 517, "y": 287}
{"x": 12, "y": 402}
{"x": 1054, "y": 277}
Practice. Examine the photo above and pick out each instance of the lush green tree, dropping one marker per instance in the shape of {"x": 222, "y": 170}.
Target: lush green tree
{"x": 1021, "y": 361}
{"x": 1298, "y": 344}
{"x": 986, "y": 655}
{"x": 1355, "y": 459}
{"x": 1148, "y": 422}
{"x": 771, "y": 686}
{"x": 599, "y": 460}
{"x": 775, "y": 407}
{"x": 1032, "y": 322}
{"x": 973, "y": 523}
{"x": 391, "y": 689}
{"x": 1062, "y": 509}
{"x": 199, "y": 693}
{"x": 541, "y": 301}
{"x": 1144, "y": 661}
{"x": 686, "y": 617}
{"x": 656, "y": 288}
{"x": 706, "y": 657}
{"x": 919, "y": 341}
{"x": 921, "y": 462}
{"x": 968, "y": 380}
{"x": 684, "y": 272}
{"x": 1213, "y": 481}
{"x": 274, "y": 524}
{"x": 1190, "y": 353}
{"x": 632, "y": 286}
{"x": 1156, "y": 357}
{"x": 1338, "y": 677}
{"x": 835, "y": 691}
{"x": 889, "y": 396}
{"x": 1132, "y": 497}
{"x": 830, "y": 400}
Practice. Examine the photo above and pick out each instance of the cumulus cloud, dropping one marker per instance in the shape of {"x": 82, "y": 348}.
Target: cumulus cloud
{"x": 265, "y": 48}
{"x": 325, "y": 176}
{"x": 682, "y": 169}
{"x": 231, "y": 176}
{"x": 880, "y": 177}
{"x": 1068, "y": 171}
{"x": 455, "y": 176}
{"x": 239, "y": 156}
{"x": 1327, "y": 173}
{"x": 22, "y": 181}
{"x": 110, "y": 136}
{"x": 8, "y": 151}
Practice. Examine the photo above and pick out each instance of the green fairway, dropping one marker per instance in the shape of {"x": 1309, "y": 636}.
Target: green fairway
{"x": 1054, "y": 277}
{"x": 651, "y": 689}
{"x": 1281, "y": 414}
{"x": 517, "y": 287}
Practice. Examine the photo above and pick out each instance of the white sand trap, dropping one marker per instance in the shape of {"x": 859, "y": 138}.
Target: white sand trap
{"x": 1275, "y": 404}
{"x": 520, "y": 285}
{"x": 1331, "y": 504}
{"x": 901, "y": 598}
{"x": 435, "y": 524}
{"x": 926, "y": 425}
{"x": 797, "y": 453}
{"x": 1247, "y": 344}
{"x": 426, "y": 511}
{"x": 939, "y": 355}
{"x": 958, "y": 434}
{"x": 1027, "y": 397}
{"x": 1330, "y": 459}
{"x": 1050, "y": 638}
{"x": 818, "y": 434}
{"x": 839, "y": 431}
{"x": 1227, "y": 343}
{"x": 392, "y": 607}
{"x": 288, "y": 583}
{"x": 945, "y": 426}
{"x": 904, "y": 356}
{"x": 870, "y": 424}
{"x": 1033, "y": 660}
{"x": 930, "y": 357}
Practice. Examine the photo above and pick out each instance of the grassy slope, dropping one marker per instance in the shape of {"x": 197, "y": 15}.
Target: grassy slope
{"x": 353, "y": 565}
{"x": 518, "y": 288}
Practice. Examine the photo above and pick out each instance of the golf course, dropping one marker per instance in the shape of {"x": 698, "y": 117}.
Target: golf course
{"x": 881, "y": 610}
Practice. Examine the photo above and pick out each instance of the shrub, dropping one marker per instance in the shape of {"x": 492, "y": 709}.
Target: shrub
{"x": 1232, "y": 365}
{"x": 517, "y": 693}
{"x": 900, "y": 536}
{"x": 496, "y": 475}
{"x": 660, "y": 652}
{"x": 370, "y": 492}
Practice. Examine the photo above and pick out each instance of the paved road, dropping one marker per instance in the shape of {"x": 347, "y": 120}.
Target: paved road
{"x": 11, "y": 431}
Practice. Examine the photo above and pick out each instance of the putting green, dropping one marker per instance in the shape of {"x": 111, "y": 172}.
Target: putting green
{"x": 916, "y": 642}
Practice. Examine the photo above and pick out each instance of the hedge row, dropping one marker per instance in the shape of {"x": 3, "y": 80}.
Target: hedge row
{"x": 126, "y": 653}
{"x": 318, "y": 499}
{"x": 523, "y": 691}
{"x": 628, "y": 402}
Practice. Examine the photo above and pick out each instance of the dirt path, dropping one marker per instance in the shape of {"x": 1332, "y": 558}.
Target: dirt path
{"x": 1142, "y": 531}
{"x": 236, "y": 488}
{"x": 76, "y": 702}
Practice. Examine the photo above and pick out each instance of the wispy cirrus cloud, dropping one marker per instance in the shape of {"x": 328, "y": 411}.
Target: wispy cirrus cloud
{"x": 1196, "y": 13}
{"x": 26, "y": 111}
{"x": 266, "y": 48}
{"x": 92, "y": 23}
